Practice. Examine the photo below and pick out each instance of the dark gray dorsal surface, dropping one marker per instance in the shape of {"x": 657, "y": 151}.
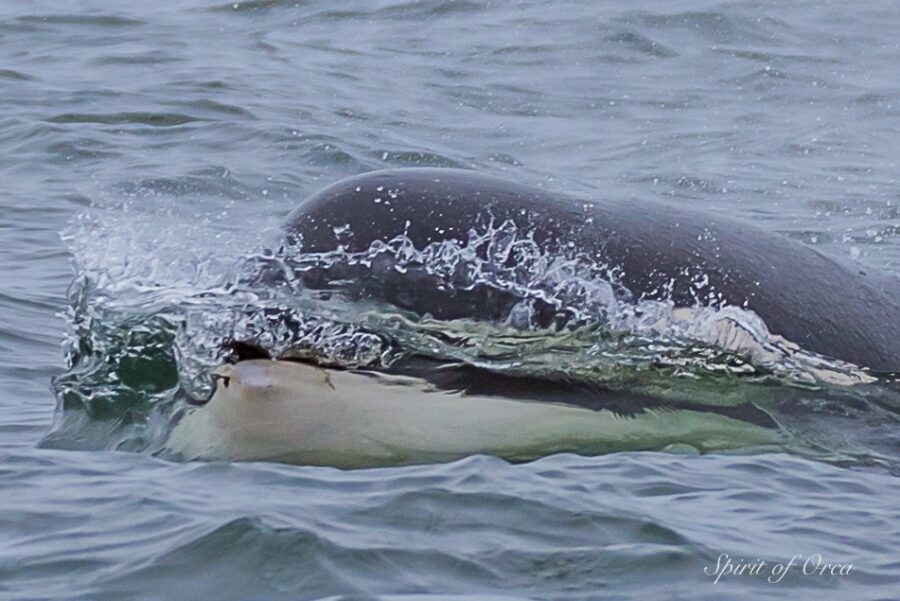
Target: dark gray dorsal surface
{"x": 828, "y": 306}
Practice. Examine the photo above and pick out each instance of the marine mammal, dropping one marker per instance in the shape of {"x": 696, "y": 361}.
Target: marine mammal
{"x": 657, "y": 251}
{"x": 264, "y": 409}
{"x": 302, "y": 413}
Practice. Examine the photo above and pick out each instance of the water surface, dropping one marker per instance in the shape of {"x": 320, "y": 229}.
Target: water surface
{"x": 163, "y": 142}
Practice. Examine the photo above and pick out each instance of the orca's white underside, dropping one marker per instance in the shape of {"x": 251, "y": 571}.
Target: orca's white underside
{"x": 300, "y": 413}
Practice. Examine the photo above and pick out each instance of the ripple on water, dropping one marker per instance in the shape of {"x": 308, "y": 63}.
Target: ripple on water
{"x": 126, "y": 118}
{"x": 476, "y": 526}
{"x": 90, "y": 21}
{"x": 167, "y": 124}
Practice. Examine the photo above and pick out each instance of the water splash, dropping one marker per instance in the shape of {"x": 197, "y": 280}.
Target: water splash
{"x": 154, "y": 305}
{"x": 586, "y": 292}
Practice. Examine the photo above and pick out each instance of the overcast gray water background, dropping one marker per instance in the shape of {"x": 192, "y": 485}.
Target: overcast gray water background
{"x": 186, "y": 125}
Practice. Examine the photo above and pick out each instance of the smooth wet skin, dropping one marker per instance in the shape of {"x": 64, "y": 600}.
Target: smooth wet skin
{"x": 302, "y": 413}
{"x": 828, "y": 306}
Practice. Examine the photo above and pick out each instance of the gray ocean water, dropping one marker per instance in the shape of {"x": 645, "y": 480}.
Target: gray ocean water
{"x": 144, "y": 148}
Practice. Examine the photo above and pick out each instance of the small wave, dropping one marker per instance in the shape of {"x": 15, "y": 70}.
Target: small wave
{"x": 499, "y": 100}
{"x": 775, "y": 57}
{"x": 415, "y": 158}
{"x": 640, "y": 43}
{"x": 84, "y": 20}
{"x": 150, "y": 58}
{"x": 126, "y": 118}
{"x": 82, "y": 149}
{"x": 715, "y": 26}
{"x": 212, "y": 181}
{"x": 254, "y": 6}
{"x": 11, "y": 74}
